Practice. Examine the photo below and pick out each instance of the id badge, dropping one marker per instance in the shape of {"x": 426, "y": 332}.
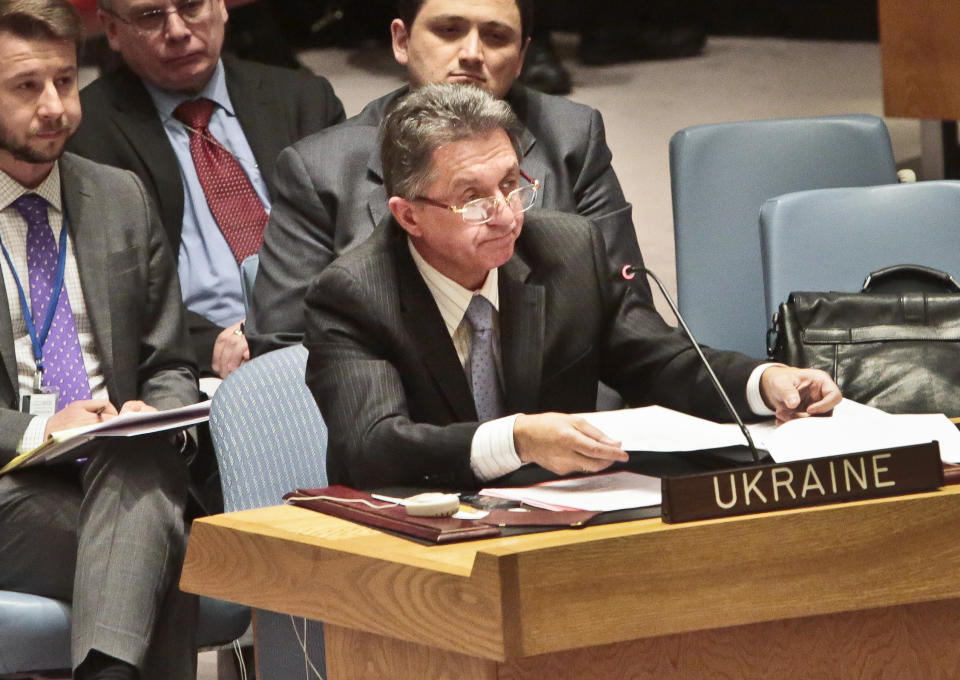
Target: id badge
{"x": 39, "y": 403}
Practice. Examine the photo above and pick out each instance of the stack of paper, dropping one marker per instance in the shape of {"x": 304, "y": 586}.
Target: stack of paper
{"x": 852, "y": 428}
{"x": 71, "y": 444}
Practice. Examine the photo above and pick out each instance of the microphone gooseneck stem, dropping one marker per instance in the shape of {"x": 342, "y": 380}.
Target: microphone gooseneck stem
{"x": 630, "y": 270}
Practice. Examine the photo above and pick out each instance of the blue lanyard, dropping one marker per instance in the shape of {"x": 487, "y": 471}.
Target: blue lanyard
{"x": 35, "y": 340}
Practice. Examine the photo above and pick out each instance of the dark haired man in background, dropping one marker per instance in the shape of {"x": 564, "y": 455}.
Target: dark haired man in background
{"x": 331, "y": 193}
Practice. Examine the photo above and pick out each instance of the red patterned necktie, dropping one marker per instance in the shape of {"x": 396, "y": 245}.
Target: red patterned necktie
{"x": 230, "y": 195}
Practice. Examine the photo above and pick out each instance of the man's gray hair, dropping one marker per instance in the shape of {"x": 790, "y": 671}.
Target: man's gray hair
{"x": 433, "y": 116}
{"x": 41, "y": 20}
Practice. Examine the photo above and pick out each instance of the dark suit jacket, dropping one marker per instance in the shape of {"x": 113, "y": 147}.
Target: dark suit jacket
{"x": 120, "y": 127}
{"x": 331, "y": 196}
{"x": 388, "y": 382}
{"x": 132, "y": 294}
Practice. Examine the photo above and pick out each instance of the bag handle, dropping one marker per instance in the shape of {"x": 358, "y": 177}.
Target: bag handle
{"x": 909, "y": 277}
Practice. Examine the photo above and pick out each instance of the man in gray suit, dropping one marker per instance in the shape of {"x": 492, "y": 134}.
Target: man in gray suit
{"x": 172, "y": 56}
{"x": 450, "y": 347}
{"x": 84, "y": 254}
{"x": 331, "y": 192}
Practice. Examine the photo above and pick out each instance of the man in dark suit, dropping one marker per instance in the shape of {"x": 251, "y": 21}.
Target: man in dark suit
{"x": 131, "y": 121}
{"x": 331, "y": 192}
{"x": 449, "y": 348}
{"x": 108, "y": 533}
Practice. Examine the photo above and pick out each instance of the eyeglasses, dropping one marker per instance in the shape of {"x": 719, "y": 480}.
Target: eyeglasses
{"x": 482, "y": 210}
{"x": 154, "y": 20}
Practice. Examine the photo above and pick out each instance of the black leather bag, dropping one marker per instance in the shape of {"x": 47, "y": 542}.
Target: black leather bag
{"x": 895, "y": 345}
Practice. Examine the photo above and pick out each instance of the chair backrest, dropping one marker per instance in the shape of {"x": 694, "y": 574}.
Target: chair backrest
{"x": 269, "y": 438}
{"x": 267, "y": 432}
{"x": 248, "y": 274}
{"x": 830, "y": 239}
{"x": 721, "y": 174}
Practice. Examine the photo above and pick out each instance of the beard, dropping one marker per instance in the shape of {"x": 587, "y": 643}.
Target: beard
{"x": 23, "y": 150}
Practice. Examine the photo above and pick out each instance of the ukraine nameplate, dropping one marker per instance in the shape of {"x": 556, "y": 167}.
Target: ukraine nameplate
{"x": 816, "y": 481}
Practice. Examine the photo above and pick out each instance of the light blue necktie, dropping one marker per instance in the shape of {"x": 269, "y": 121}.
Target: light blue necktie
{"x": 487, "y": 394}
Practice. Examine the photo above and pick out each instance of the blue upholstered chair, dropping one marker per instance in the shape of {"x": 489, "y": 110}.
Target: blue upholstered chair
{"x": 269, "y": 438}
{"x": 721, "y": 174}
{"x": 35, "y": 631}
{"x": 830, "y": 239}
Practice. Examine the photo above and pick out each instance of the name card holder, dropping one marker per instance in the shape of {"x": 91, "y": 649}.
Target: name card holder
{"x": 803, "y": 483}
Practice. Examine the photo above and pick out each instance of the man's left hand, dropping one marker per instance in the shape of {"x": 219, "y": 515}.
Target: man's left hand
{"x": 230, "y": 351}
{"x": 798, "y": 392}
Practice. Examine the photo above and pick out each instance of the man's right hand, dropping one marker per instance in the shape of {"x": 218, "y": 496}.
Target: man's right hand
{"x": 564, "y": 444}
{"x": 83, "y": 412}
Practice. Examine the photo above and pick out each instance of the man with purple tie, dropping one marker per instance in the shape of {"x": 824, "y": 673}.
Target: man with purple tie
{"x": 91, "y": 326}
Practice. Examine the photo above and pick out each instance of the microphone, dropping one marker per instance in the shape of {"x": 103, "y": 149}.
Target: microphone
{"x": 628, "y": 272}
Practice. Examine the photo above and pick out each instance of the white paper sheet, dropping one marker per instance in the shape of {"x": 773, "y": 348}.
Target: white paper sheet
{"x": 601, "y": 493}
{"x": 655, "y": 428}
{"x": 852, "y": 428}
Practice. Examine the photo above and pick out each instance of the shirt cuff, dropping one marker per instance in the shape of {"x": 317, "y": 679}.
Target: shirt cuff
{"x": 754, "y": 399}
{"x": 492, "y": 451}
{"x": 33, "y": 436}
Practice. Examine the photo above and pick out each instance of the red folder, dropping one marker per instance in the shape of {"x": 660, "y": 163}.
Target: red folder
{"x": 393, "y": 518}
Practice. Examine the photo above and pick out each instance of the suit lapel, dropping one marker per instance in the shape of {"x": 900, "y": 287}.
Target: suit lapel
{"x": 531, "y": 164}
{"x": 260, "y": 113}
{"x": 136, "y": 117}
{"x": 426, "y": 328}
{"x": 373, "y": 115}
{"x": 87, "y": 229}
{"x": 522, "y": 319}
{"x": 377, "y": 201}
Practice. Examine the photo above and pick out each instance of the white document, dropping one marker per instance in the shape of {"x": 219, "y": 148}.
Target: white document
{"x": 601, "y": 493}
{"x": 852, "y": 428}
{"x": 67, "y": 444}
{"x": 656, "y": 428}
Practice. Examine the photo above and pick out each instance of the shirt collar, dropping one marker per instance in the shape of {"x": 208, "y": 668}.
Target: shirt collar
{"x": 453, "y": 299}
{"x": 215, "y": 90}
{"x": 49, "y": 189}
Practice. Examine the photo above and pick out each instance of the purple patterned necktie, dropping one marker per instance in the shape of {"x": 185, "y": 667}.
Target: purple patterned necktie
{"x": 62, "y": 360}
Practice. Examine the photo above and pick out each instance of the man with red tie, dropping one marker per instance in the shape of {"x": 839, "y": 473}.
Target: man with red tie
{"x": 202, "y": 131}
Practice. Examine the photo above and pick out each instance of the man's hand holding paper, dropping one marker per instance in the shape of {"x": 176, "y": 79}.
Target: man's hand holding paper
{"x": 565, "y": 443}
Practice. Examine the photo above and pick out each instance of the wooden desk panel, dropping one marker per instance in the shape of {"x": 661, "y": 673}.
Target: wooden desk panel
{"x": 920, "y": 53}
{"x": 512, "y": 607}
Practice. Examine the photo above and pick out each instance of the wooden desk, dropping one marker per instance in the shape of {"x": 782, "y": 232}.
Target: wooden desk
{"x": 860, "y": 590}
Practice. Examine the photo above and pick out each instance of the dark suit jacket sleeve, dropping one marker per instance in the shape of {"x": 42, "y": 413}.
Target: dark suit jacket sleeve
{"x": 354, "y": 373}
{"x": 298, "y": 242}
{"x": 649, "y": 362}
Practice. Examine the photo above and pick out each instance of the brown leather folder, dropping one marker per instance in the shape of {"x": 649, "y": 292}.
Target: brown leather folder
{"x": 389, "y": 517}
